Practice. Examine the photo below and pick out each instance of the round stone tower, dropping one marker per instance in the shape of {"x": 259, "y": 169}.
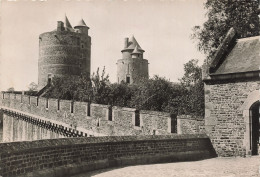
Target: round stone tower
{"x": 132, "y": 67}
{"x": 64, "y": 51}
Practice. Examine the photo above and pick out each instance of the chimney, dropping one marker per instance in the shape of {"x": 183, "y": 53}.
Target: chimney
{"x": 126, "y": 42}
{"x": 60, "y": 26}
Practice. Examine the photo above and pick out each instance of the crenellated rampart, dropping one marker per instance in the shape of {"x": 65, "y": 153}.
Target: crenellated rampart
{"x": 102, "y": 120}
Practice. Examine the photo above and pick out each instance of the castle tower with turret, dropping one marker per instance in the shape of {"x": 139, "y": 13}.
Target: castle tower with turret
{"x": 132, "y": 67}
{"x": 64, "y": 51}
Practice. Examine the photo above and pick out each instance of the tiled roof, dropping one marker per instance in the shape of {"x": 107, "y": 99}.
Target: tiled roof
{"x": 244, "y": 57}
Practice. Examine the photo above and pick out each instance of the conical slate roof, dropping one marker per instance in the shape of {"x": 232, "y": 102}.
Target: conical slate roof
{"x": 136, "y": 51}
{"x": 67, "y": 23}
{"x": 81, "y": 23}
{"x": 133, "y": 43}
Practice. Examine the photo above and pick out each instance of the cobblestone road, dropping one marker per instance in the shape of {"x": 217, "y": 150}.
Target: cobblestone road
{"x": 217, "y": 167}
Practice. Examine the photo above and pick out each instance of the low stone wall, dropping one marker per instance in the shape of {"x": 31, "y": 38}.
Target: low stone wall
{"x": 187, "y": 124}
{"x": 99, "y": 111}
{"x": 65, "y": 157}
{"x": 154, "y": 122}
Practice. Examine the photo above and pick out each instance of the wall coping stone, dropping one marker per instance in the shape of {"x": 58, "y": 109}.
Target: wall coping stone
{"x": 65, "y": 101}
{"x": 124, "y": 108}
{"x": 155, "y": 113}
{"x": 190, "y": 117}
{"x": 81, "y": 102}
{"x": 99, "y": 105}
{"x": 52, "y": 99}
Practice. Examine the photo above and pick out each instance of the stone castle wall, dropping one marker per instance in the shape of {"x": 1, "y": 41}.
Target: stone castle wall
{"x": 96, "y": 119}
{"x": 14, "y": 129}
{"x": 65, "y": 157}
{"x": 226, "y": 118}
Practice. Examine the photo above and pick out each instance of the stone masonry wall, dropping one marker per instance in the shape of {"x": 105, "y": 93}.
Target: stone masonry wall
{"x": 155, "y": 122}
{"x": 65, "y": 157}
{"x": 136, "y": 69}
{"x": 224, "y": 120}
{"x": 93, "y": 119}
{"x": 63, "y": 53}
{"x": 187, "y": 124}
{"x": 18, "y": 130}
{"x": 59, "y": 55}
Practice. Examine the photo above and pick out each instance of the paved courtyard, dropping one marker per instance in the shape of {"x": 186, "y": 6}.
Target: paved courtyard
{"x": 217, "y": 167}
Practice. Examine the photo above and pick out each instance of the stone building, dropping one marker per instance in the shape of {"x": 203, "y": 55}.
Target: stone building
{"x": 232, "y": 96}
{"x": 64, "y": 51}
{"x": 132, "y": 67}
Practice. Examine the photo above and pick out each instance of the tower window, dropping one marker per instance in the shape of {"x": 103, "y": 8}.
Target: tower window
{"x": 49, "y": 78}
{"x": 127, "y": 79}
{"x": 82, "y": 46}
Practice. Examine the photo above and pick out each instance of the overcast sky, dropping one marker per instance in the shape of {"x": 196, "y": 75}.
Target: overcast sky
{"x": 162, "y": 28}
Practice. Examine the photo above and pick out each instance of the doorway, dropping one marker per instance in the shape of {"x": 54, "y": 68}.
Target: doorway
{"x": 254, "y": 127}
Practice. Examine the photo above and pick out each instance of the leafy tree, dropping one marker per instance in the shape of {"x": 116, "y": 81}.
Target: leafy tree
{"x": 100, "y": 87}
{"x": 192, "y": 73}
{"x": 193, "y": 89}
{"x": 11, "y": 89}
{"x": 157, "y": 94}
{"x": 32, "y": 87}
{"x": 81, "y": 88}
{"x": 222, "y": 15}
{"x": 70, "y": 88}
{"x": 153, "y": 94}
{"x": 121, "y": 94}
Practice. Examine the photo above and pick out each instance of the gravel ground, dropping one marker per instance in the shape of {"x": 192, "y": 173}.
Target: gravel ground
{"x": 217, "y": 167}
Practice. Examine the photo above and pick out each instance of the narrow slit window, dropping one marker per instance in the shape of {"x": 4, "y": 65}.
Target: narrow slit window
{"x": 37, "y": 101}
{"x": 88, "y": 111}
{"x": 110, "y": 113}
{"x": 137, "y": 118}
{"x": 127, "y": 79}
{"x": 58, "y": 106}
{"x": 173, "y": 123}
{"x": 47, "y": 103}
{"x": 72, "y": 107}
